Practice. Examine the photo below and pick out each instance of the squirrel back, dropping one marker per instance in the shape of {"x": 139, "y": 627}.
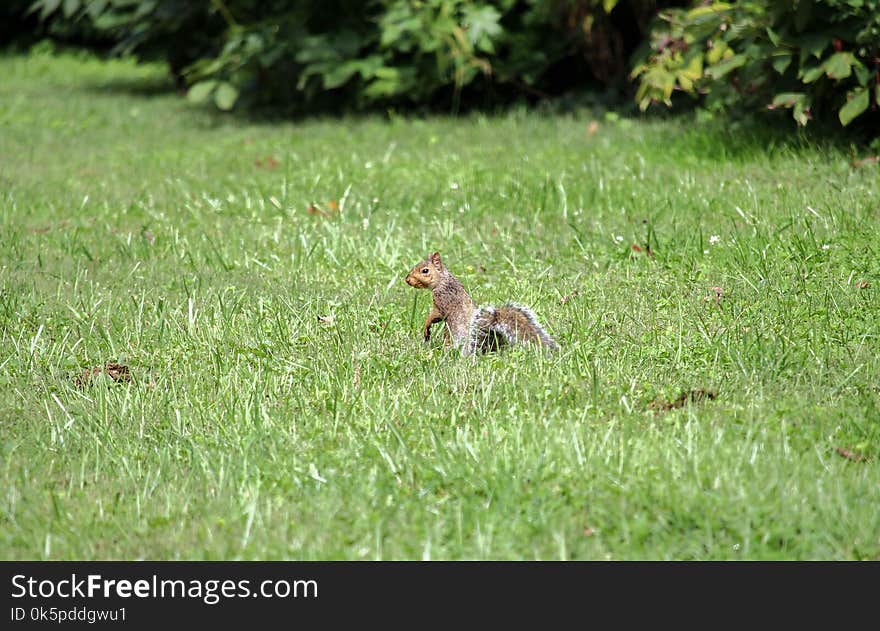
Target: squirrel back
{"x": 475, "y": 330}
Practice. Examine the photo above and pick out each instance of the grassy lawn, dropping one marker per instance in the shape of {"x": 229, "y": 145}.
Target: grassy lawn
{"x": 135, "y": 228}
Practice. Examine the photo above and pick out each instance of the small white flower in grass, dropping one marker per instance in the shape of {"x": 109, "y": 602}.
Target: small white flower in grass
{"x": 826, "y": 247}
{"x": 705, "y": 251}
{"x": 618, "y": 238}
{"x": 714, "y": 239}
{"x": 453, "y": 186}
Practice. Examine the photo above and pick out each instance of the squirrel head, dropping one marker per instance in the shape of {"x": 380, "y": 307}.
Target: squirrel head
{"x": 427, "y": 274}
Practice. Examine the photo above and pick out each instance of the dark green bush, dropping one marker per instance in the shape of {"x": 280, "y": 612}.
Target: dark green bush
{"x": 356, "y": 53}
{"x": 818, "y": 58}
{"x": 21, "y": 26}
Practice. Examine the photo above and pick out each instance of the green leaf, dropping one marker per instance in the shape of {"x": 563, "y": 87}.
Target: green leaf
{"x": 787, "y": 99}
{"x": 49, "y": 7}
{"x": 482, "y": 22}
{"x": 838, "y": 65}
{"x": 96, "y": 7}
{"x": 812, "y": 74}
{"x": 382, "y": 88}
{"x": 690, "y": 73}
{"x": 714, "y": 54}
{"x": 225, "y": 96}
{"x": 812, "y": 45}
{"x": 70, "y": 7}
{"x": 863, "y": 75}
{"x": 200, "y": 91}
{"x": 857, "y": 104}
{"x": 731, "y": 63}
{"x": 715, "y": 7}
{"x": 801, "y": 111}
{"x": 781, "y": 63}
{"x": 339, "y": 75}
{"x": 608, "y": 5}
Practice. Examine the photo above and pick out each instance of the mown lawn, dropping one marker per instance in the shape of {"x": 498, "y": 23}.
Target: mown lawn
{"x": 135, "y": 228}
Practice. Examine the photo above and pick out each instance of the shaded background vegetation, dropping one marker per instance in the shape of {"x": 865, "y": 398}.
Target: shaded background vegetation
{"x": 818, "y": 59}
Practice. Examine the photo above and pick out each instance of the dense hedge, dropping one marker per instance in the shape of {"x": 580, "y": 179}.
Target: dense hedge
{"x": 818, "y": 58}
{"x": 356, "y": 53}
{"x": 22, "y": 25}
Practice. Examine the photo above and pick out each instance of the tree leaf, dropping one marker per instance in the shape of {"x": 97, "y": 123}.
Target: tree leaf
{"x": 339, "y": 75}
{"x": 200, "y": 91}
{"x": 801, "y": 111}
{"x": 857, "y": 104}
{"x": 812, "y": 45}
{"x": 96, "y": 7}
{"x": 812, "y": 74}
{"x": 609, "y": 5}
{"x": 787, "y": 99}
{"x": 48, "y": 7}
{"x": 70, "y": 7}
{"x": 863, "y": 75}
{"x": 225, "y": 96}
{"x": 715, "y": 7}
{"x": 781, "y": 63}
{"x": 838, "y": 65}
{"x": 731, "y": 63}
{"x": 482, "y": 25}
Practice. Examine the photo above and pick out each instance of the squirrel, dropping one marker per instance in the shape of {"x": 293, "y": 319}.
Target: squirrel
{"x": 474, "y": 329}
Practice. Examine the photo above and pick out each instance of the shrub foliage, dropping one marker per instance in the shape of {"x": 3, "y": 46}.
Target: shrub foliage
{"x": 357, "y": 52}
{"x": 818, "y": 58}
{"x": 814, "y": 57}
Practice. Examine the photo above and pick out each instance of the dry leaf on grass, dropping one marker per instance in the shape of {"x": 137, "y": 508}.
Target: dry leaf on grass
{"x": 268, "y": 163}
{"x": 564, "y": 299}
{"x": 865, "y": 161}
{"x": 638, "y": 249}
{"x": 715, "y": 293}
{"x": 119, "y": 373}
{"x": 685, "y": 398}
{"x": 850, "y": 455}
{"x": 315, "y": 209}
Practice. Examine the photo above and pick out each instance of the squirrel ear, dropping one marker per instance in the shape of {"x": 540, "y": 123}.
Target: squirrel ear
{"x": 435, "y": 260}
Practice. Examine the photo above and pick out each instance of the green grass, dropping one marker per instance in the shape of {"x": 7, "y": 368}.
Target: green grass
{"x": 138, "y": 229}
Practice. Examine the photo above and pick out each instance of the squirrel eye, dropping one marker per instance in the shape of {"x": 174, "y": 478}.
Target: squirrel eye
{"x": 424, "y": 270}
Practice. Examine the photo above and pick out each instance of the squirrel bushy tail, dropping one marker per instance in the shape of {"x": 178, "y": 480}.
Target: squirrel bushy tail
{"x": 492, "y": 328}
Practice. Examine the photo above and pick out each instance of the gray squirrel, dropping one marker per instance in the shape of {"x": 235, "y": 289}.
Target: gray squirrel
{"x": 473, "y": 329}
